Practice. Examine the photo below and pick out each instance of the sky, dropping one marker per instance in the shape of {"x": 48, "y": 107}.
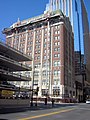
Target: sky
{"x": 11, "y": 10}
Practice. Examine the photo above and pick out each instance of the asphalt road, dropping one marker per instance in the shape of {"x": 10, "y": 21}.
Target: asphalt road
{"x": 42, "y": 112}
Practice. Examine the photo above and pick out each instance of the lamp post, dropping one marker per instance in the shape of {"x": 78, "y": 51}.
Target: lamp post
{"x": 32, "y": 83}
{"x": 32, "y": 90}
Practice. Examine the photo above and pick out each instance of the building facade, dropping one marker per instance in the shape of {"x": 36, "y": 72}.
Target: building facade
{"x": 49, "y": 39}
{"x": 80, "y": 76}
{"x": 86, "y": 40}
{"x": 76, "y": 11}
{"x": 79, "y": 66}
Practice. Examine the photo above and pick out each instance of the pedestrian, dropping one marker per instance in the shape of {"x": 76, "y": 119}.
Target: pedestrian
{"x": 45, "y": 101}
{"x": 52, "y": 101}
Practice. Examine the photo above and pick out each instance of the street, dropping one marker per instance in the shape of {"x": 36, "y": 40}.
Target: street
{"x": 57, "y": 112}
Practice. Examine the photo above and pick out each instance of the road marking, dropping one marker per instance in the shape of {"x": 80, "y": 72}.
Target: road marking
{"x": 48, "y": 114}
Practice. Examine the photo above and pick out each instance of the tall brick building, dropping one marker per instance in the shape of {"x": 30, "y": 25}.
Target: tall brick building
{"x": 48, "y": 38}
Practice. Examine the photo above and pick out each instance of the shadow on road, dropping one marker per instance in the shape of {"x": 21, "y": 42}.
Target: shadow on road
{"x": 3, "y": 119}
{"x": 40, "y": 106}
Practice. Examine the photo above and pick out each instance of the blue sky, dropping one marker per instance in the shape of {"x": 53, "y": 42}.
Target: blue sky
{"x": 11, "y": 10}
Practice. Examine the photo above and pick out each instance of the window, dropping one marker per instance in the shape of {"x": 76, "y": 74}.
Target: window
{"x": 56, "y": 92}
{"x": 57, "y": 55}
{"x": 27, "y": 74}
{"x": 44, "y": 82}
{"x": 45, "y": 29}
{"x": 45, "y": 34}
{"x": 56, "y": 81}
{"x": 56, "y": 72}
{"x": 38, "y": 51}
{"x": 45, "y": 51}
{"x": 29, "y": 53}
{"x": 57, "y": 32}
{"x": 57, "y": 49}
{"x": 44, "y": 64}
{"x": 45, "y": 40}
{"x": 35, "y": 82}
{"x": 37, "y": 41}
{"x": 45, "y": 73}
{"x": 36, "y": 73}
{"x": 56, "y": 27}
{"x": 56, "y": 38}
{"x": 29, "y": 43}
{"x": 37, "y": 65}
{"x": 57, "y": 43}
{"x": 56, "y": 63}
{"x": 45, "y": 57}
{"x": 21, "y": 45}
{"x": 37, "y": 46}
{"x": 24, "y": 39}
{"x": 38, "y": 57}
{"x": 37, "y": 31}
{"x": 21, "y": 48}
{"x": 29, "y": 48}
{"x": 44, "y": 92}
{"x": 44, "y": 45}
{"x": 37, "y": 36}
{"x": 29, "y": 38}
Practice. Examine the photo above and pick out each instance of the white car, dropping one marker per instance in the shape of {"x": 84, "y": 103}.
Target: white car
{"x": 88, "y": 101}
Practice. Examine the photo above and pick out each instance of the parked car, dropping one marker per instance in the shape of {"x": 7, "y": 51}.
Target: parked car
{"x": 88, "y": 101}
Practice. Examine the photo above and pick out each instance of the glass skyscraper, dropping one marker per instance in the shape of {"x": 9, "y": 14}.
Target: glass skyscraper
{"x": 76, "y": 11}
